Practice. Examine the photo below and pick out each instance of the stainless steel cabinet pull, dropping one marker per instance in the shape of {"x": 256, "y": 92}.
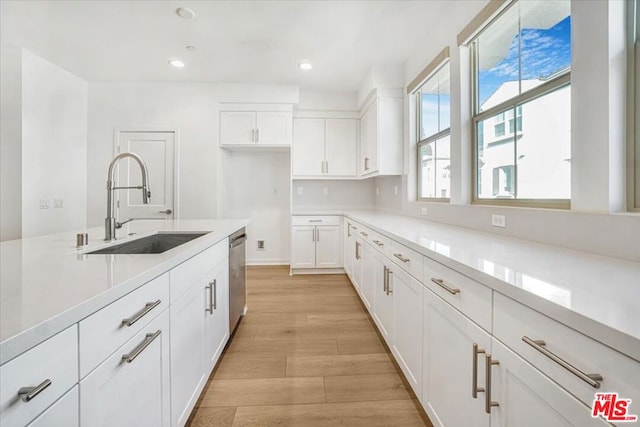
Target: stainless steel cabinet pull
{"x": 354, "y": 227}
{"x": 210, "y": 289}
{"x": 253, "y": 135}
{"x": 139, "y": 315}
{"x": 317, "y": 234}
{"x": 474, "y": 376}
{"x": 366, "y": 163}
{"x": 357, "y": 250}
{"x": 444, "y": 286}
{"x": 389, "y": 273}
{"x": 130, "y": 357}
{"x": 315, "y": 220}
{"x": 592, "y": 379}
{"x": 257, "y": 135}
{"x": 384, "y": 280}
{"x": 364, "y": 234}
{"x": 28, "y": 393}
{"x": 378, "y": 242}
{"x": 402, "y": 258}
{"x": 327, "y": 166}
{"x": 488, "y": 402}
{"x": 348, "y": 230}
{"x": 215, "y": 294}
{"x": 166, "y": 211}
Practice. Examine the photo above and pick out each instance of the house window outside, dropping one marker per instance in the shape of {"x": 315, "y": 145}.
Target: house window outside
{"x": 522, "y": 106}
{"x": 434, "y": 129}
{"x": 635, "y": 103}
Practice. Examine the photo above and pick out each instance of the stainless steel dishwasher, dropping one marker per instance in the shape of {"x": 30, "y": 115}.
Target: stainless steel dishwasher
{"x": 237, "y": 277}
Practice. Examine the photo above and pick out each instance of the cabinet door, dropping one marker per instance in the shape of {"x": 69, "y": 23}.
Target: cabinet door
{"x": 274, "y": 128}
{"x": 526, "y": 397}
{"x": 383, "y": 300}
{"x": 328, "y": 246}
{"x": 341, "y": 143}
{"x": 216, "y": 331}
{"x": 303, "y": 246}
{"x": 308, "y": 147}
{"x": 369, "y": 276}
{"x": 188, "y": 374}
{"x": 135, "y": 393}
{"x": 369, "y": 140}
{"x": 357, "y": 264}
{"x": 448, "y": 365}
{"x": 237, "y": 127}
{"x": 63, "y": 413}
{"x": 407, "y": 326}
{"x": 348, "y": 252}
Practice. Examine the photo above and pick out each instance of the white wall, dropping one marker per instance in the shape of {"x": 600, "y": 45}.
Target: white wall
{"x": 255, "y": 185}
{"x": 342, "y": 195}
{"x": 54, "y": 155}
{"x": 10, "y": 143}
{"x": 593, "y": 223}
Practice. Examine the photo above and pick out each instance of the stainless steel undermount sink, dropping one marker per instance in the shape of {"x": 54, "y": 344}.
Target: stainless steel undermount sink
{"x": 154, "y": 244}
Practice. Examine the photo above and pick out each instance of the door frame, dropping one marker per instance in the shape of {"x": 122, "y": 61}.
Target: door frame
{"x": 176, "y": 155}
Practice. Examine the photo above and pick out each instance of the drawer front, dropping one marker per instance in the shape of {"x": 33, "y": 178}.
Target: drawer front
{"x": 104, "y": 331}
{"x": 53, "y": 362}
{"x": 363, "y": 233}
{"x": 315, "y": 220}
{"x": 466, "y": 295}
{"x": 192, "y": 270}
{"x": 621, "y": 374}
{"x": 381, "y": 243}
{"x": 408, "y": 259}
{"x": 63, "y": 413}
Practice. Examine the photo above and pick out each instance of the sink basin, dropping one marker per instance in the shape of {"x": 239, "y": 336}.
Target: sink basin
{"x": 154, "y": 244}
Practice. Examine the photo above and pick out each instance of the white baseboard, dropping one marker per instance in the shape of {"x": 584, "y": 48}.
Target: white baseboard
{"x": 295, "y": 271}
{"x": 267, "y": 262}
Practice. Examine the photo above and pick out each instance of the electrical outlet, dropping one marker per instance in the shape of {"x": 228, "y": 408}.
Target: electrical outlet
{"x": 325, "y": 191}
{"x": 58, "y": 203}
{"x": 498, "y": 221}
{"x": 299, "y": 190}
{"x": 377, "y": 191}
{"x": 261, "y": 245}
{"x": 395, "y": 190}
{"x": 424, "y": 211}
{"x": 45, "y": 203}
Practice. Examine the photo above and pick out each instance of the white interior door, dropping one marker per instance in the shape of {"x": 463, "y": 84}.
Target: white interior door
{"x": 157, "y": 149}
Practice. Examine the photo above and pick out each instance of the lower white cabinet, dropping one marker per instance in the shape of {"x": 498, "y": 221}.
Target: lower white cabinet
{"x": 131, "y": 387}
{"x": 368, "y": 275}
{"x": 383, "y": 298}
{"x": 63, "y": 413}
{"x": 523, "y": 396}
{"x": 216, "y": 325}
{"x": 316, "y": 246}
{"x": 449, "y": 367}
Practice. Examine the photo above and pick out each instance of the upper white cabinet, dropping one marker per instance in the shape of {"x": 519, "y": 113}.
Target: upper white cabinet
{"x": 248, "y": 125}
{"x": 381, "y": 134}
{"x": 325, "y": 147}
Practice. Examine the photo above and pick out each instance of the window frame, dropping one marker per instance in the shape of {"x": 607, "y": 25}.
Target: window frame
{"x": 633, "y": 107}
{"x": 431, "y": 138}
{"x": 557, "y": 82}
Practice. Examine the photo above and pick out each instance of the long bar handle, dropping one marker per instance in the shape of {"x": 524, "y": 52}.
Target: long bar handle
{"x": 257, "y": 135}
{"x": 592, "y": 379}
{"x": 349, "y": 230}
{"x": 385, "y": 280}
{"x": 130, "y": 357}
{"x": 402, "y": 257}
{"x": 317, "y": 234}
{"x": 253, "y": 135}
{"x": 357, "y": 250}
{"x": 28, "y": 393}
{"x": 474, "y": 376}
{"x": 444, "y": 286}
{"x": 488, "y": 402}
{"x": 378, "y": 242}
{"x": 364, "y": 234}
{"x": 315, "y": 220}
{"x": 215, "y": 295}
{"x": 389, "y": 273}
{"x": 139, "y": 315}
{"x": 210, "y": 289}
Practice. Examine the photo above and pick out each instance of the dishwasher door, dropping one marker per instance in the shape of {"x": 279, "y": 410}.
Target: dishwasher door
{"x": 237, "y": 277}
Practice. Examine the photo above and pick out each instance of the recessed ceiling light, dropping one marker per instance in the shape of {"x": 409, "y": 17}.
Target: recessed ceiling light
{"x": 185, "y": 13}
{"x": 176, "y": 63}
{"x": 305, "y": 65}
{"x": 190, "y": 48}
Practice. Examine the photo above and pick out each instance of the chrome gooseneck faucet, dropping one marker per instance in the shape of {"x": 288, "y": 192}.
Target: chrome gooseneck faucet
{"x": 110, "y": 223}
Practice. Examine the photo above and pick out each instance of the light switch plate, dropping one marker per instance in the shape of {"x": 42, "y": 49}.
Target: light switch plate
{"x": 395, "y": 190}
{"x": 45, "y": 203}
{"x": 299, "y": 190}
{"x": 58, "y": 203}
{"x": 424, "y": 211}
{"x": 325, "y": 191}
{"x": 498, "y": 221}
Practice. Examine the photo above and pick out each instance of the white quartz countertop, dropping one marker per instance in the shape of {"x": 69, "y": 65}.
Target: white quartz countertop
{"x": 596, "y": 295}
{"x": 46, "y": 284}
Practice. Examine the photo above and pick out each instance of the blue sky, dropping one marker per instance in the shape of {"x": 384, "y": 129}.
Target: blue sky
{"x": 543, "y": 53}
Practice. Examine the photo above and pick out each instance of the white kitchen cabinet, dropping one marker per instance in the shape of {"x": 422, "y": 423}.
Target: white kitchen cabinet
{"x": 357, "y": 264}
{"x": 407, "y": 326}
{"x": 303, "y": 246}
{"x": 368, "y": 275}
{"x": 324, "y": 147}
{"x": 131, "y": 387}
{"x": 216, "y": 328}
{"x": 316, "y": 242}
{"x": 448, "y": 366}
{"x": 381, "y": 134}
{"x": 259, "y": 128}
{"x": 328, "y": 246}
{"x": 63, "y": 413}
{"x": 383, "y": 298}
{"x": 526, "y": 397}
{"x": 348, "y": 252}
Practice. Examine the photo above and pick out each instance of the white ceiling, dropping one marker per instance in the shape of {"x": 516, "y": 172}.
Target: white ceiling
{"x": 236, "y": 41}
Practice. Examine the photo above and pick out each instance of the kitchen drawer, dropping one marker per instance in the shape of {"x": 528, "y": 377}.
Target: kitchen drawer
{"x": 315, "y": 220}
{"x": 192, "y": 270}
{"x": 408, "y": 259}
{"x": 104, "y": 331}
{"x": 466, "y": 295}
{"x": 63, "y": 413}
{"x": 513, "y": 322}
{"x": 381, "y": 243}
{"x": 363, "y": 233}
{"x": 54, "y": 361}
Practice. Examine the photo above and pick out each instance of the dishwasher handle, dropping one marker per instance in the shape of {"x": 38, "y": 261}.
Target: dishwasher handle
{"x": 237, "y": 241}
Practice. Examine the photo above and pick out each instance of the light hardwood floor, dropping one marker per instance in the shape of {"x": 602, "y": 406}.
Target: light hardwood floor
{"x": 306, "y": 354}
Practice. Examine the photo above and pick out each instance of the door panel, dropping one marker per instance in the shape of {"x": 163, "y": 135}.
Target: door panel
{"x": 341, "y": 147}
{"x": 237, "y": 127}
{"x": 308, "y": 147}
{"x": 157, "y": 149}
{"x": 274, "y": 128}
{"x": 303, "y": 246}
{"x": 217, "y": 318}
{"x": 328, "y": 246}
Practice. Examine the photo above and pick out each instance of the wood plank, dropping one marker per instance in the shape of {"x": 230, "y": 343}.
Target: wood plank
{"x": 269, "y": 391}
{"x": 314, "y": 366}
{"x": 342, "y": 319}
{"x": 240, "y": 365}
{"x": 210, "y": 417}
{"x": 278, "y": 332}
{"x": 359, "y": 388}
{"x": 293, "y": 347}
{"x": 361, "y": 345}
{"x": 356, "y": 414}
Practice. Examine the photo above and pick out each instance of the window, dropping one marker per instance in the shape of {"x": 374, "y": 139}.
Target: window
{"x": 522, "y": 106}
{"x": 634, "y": 67}
{"x": 434, "y": 146}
